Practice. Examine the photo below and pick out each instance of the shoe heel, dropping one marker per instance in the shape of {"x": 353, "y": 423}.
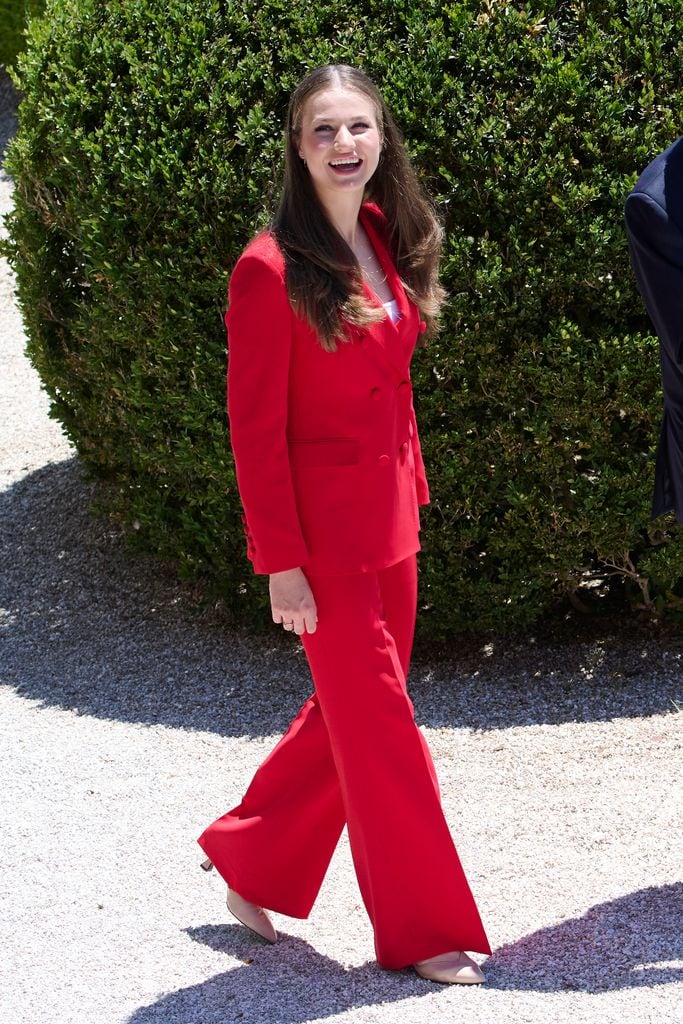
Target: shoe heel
{"x": 206, "y": 865}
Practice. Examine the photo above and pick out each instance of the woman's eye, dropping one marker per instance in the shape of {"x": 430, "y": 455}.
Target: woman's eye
{"x": 357, "y": 126}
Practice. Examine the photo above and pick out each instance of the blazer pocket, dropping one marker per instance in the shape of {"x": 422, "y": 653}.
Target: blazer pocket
{"x": 324, "y": 451}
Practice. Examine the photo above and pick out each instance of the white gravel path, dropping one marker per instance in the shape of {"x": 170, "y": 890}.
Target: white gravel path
{"x": 130, "y": 719}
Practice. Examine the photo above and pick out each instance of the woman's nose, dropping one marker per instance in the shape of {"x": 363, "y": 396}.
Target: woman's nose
{"x": 344, "y": 139}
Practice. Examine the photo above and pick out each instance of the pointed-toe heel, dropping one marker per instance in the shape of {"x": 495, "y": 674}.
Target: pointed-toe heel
{"x": 206, "y": 865}
{"x": 451, "y": 969}
{"x": 252, "y": 917}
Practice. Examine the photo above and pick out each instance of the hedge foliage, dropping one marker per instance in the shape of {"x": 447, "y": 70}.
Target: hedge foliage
{"x": 149, "y": 140}
{"x": 14, "y": 17}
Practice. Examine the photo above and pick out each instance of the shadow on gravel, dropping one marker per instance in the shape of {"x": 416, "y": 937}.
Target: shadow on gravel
{"x": 631, "y": 942}
{"x": 288, "y": 984}
{"x": 86, "y": 626}
{"x": 623, "y": 944}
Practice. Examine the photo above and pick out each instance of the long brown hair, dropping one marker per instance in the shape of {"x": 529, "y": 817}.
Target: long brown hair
{"x": 324, "y": 278}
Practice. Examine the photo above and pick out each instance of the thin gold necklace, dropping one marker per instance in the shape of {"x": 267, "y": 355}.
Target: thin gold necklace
{"x": 373, "y": 274}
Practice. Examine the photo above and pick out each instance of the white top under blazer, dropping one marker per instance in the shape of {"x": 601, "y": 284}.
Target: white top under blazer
{"x": 392, "y": 309}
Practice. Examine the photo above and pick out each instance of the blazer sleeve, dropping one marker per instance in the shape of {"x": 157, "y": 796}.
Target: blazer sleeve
{"x": 260, "y": 330}
{"x": 421, "y": 488}
{"x": 656, "y": 248}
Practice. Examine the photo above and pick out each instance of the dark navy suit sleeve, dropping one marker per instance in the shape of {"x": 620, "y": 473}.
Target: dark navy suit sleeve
{"x": 656, "y": 248}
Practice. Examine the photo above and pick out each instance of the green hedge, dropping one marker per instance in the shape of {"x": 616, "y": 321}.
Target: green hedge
{"x": 14, "y": 16}
{"x": 149, "y": 140}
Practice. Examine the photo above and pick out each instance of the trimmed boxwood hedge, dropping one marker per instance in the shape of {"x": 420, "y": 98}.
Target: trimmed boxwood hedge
{"x": 14, "y": 16}
{"x": 150, "y": 136}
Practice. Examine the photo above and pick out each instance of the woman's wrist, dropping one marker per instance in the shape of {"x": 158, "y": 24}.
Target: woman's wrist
{"x": 286, "y": 573}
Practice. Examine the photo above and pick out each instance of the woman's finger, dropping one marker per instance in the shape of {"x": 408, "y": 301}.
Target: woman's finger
{"x": 306, "y": 622}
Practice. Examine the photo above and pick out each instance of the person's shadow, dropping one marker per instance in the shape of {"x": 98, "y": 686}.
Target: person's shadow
{"x": 87, "y": 627}
{"x": 633, "y": 941}
{"x": 629, "y": 942}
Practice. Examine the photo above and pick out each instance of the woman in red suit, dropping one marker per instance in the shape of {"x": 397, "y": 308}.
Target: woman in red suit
{"x": 324, "y": 312}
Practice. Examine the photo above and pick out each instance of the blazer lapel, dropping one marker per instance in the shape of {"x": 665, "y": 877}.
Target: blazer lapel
{"x": 395, "y": 341}
{"x": 388, "y": 267}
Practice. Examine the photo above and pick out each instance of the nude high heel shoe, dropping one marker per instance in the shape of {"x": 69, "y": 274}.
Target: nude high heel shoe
{"x": 252, "y": 917}
{"x": 451, "y": 969}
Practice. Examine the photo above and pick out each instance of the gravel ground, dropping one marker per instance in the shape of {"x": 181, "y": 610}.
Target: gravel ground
{"x": 131, "y": 718}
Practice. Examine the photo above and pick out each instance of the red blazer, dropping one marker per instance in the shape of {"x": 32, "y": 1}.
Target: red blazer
{"x": 326, "y": 448}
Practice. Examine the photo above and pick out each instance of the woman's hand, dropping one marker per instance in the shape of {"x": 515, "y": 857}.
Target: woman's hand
{"x": 292, "y": 602}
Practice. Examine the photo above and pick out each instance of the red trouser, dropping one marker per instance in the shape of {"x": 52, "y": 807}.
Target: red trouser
{"x": 354, "y": 754}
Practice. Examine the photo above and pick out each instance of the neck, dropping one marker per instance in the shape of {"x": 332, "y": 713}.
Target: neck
{"x": 342, "y": 211}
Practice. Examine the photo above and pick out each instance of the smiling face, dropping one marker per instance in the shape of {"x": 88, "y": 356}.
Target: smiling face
{"x": 340, "y": 140}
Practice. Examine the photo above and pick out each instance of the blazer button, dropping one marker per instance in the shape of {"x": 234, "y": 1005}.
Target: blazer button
{"x": 384, "y": 460}
{"x": 404, "y": 451}
{"x": 375, "y": 394}
{"x": 403, "y": 385}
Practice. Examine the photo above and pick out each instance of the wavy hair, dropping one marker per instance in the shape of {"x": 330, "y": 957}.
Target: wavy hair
{"x": 324, "y": 278}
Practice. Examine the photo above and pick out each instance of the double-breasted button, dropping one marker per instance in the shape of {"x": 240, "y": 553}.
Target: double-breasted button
{"x": 376, "y": 394}
{"x": 383, "y": 460}
{"x": 403, "y": 386}
{"x": 404, "y": 451}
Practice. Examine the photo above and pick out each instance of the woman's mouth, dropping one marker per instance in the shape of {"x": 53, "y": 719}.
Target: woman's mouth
{"x": 346, "y": 165}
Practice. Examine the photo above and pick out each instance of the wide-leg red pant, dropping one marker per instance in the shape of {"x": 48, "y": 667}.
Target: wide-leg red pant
{"x": 354, "y": 754}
